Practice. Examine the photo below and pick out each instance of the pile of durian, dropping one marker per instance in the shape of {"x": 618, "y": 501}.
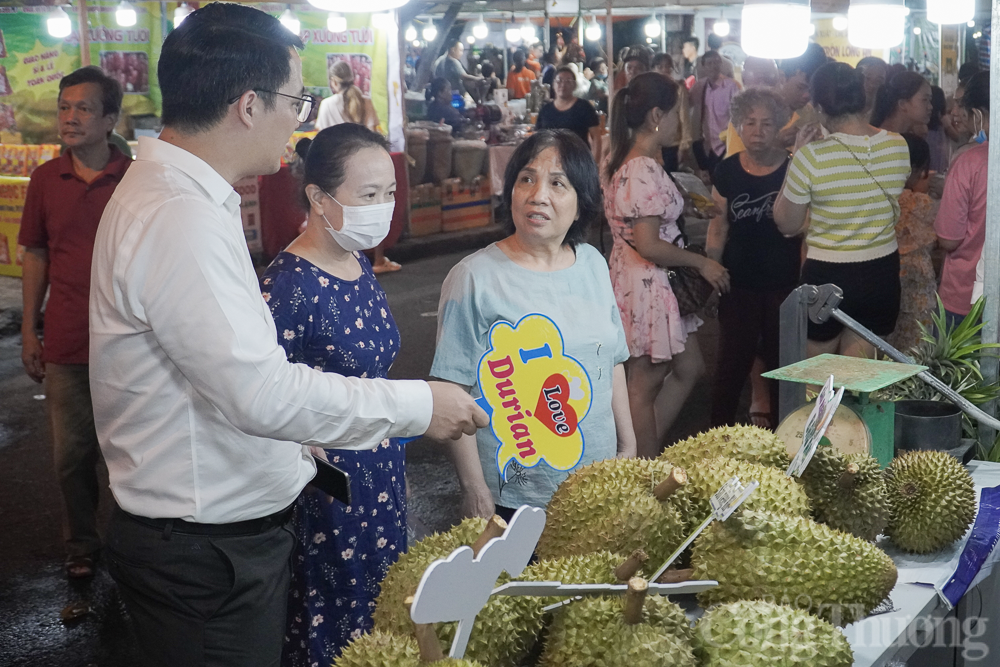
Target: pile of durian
{"x": 797, "y": 560}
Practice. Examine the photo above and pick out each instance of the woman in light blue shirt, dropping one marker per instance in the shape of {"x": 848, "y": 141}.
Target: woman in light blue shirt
{"x": 551, "y": 196}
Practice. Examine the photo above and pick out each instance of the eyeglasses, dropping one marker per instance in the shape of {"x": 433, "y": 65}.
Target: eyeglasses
{"x": 302, "y": 110}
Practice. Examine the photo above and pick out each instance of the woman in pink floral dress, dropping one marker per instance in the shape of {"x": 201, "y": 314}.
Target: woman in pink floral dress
{"x": 642, "y": 206}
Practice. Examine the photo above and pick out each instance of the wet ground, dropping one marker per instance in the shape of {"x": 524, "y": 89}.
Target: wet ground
{"x": 34, "y": 591}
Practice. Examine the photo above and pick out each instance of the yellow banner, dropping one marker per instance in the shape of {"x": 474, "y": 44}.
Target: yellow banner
{"x": 835, "y": 43}
{"x": 13, "y": 190}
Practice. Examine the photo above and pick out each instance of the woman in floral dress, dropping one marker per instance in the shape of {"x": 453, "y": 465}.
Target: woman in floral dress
{"x": 642, "y": 206}
{"x": 331, "y": 314}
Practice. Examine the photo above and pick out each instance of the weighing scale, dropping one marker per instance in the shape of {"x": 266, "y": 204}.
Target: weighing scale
{"x": 859, "y": 425}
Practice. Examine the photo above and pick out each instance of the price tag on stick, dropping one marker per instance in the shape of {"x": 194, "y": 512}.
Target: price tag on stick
{"x": 819, "y": 420}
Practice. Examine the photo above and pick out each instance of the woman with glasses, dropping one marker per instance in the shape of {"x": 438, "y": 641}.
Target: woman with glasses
{"x": 347, "y": 104}
{"x": 331, "y": 314}
{"x": 568, "y": 112}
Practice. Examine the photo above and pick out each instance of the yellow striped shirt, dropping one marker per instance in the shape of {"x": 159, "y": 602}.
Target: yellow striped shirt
{"x": 851, "y": 220}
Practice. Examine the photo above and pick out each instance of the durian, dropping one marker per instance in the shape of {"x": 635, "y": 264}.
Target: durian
{"x": 932, "y": 498}
{"x": 618, "y": 505}
{"x": 847, "y": 492}
{"x": 776, "y": 493}
{"x": 762, "y": 634}
{"x": 382, "y": 649}
{"x": 793, "y": 560}
{"x": 746, "y": 443}
{"x": 638, "y": 630}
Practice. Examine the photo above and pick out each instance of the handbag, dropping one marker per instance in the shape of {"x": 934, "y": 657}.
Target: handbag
{"x": 690, "y": 289}
{"x": 893, "y": 203}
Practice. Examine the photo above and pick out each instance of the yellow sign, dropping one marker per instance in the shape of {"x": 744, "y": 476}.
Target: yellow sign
{"x": 13, "y": 190}
{"x": 835, "y": 43}
{"x": 538, "y": 395}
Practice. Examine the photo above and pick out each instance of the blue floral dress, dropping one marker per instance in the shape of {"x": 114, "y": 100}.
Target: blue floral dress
{"x": 339, "y": 326}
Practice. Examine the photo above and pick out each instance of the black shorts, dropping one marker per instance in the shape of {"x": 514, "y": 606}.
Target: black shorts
{"x": 871, "y": 293}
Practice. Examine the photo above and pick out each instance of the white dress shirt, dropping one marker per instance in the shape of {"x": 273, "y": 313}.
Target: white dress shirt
{"x": 198, "y": 412}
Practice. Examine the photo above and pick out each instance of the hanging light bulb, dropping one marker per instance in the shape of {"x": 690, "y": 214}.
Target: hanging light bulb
{"x": 470, "y": 39}
{"x": 593, "y": 29}
{"x": 916, "y": 30}
{"x": 290, "y": 21}
{"x": 721, "y": 27}
{"x": 481, "y": 30}
{"x": 125, "y": 14}
{"x": 350, "y": 6}
{"x": 181, "y": 13}
{"x": 652, "y": 28}
{"x": 429, "y": 33}
{"x": 337, "y": 23}
{"x": 58, "y": 23}
{"x": 947, "y": 12}
{"x": 775, "y": 30}
{"x": 513, "y": 34}
{"x": 840, "y": 23}
{"x": 977, "y": 35}
{"x": 416, "y": 43}
{"x": 410, "y": 34}
{"x": 876, "y": 24}
{"x": 971, "y": 24}
{"x": 528, "y": 32}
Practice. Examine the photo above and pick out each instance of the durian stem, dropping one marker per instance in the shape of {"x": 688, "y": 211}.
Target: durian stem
{"x": 427, "y": 640}
{"x": 494, "y": 528}
{"x": 675, "y": 576}
{"x": 631, "y": 565}
{"x": 675, "y": 480}
{"x": 847, "y": 479}
{"x": 635, "y": 596}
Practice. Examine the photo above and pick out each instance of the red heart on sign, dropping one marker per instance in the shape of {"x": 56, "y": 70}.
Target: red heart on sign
{"x": 553, "y": 408}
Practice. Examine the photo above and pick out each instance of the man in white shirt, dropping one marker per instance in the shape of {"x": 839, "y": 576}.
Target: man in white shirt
{"x": 198, "y": 413}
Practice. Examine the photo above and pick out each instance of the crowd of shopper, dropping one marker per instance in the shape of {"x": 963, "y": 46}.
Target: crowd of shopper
{"x": 209, "y": 392}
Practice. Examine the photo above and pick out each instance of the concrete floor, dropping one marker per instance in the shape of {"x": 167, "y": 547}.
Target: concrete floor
{"x": 33, "y": 590}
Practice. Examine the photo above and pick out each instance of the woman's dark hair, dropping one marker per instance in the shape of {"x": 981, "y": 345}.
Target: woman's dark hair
{"x": 487, "y": 69}
{"x": 902, "y": 86}
{"x": 325, "y": 158}
{"x": 838, "y": 89}
{"x": 939, "y": 106}
{"x": 920, "y": 153}
{"x": 649, "y": 90}
{"x": 111, "y": 90}
{"x": 714, "y": 42}
{"x": 578, "y": 164}
{"x": 596, "y": 63}
{"x": 565, "y": 69}
{"x": 518, "y": 59}
{"x": 977, "y": 92}
{"x": 437, "y": 84}
{"x": 218, "y": 53}
{"x": 967, "y": 71}
{"x": 662, "y": 58}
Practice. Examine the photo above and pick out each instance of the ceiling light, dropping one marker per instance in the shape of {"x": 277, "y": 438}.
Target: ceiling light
{"x": 470, "y": 39}
{"x": 652, "y": 28}
{"x": 513, "y": 35}
{"x": 125, "y": 14}
{"x": 528, "y": 33}
{"x": 429, "y": 33}
{"x": 481, "y": 30}
{"x": 876, "y": 24}
{"x": 916, "y": 30}
{"x": 58, "y": 23}
{"x": 416, "y": 43}
{"x": 721, "y": 27}
{"x": 840, "y": 23}
{"x": 593, "y": 29}
{"x": 181, "y": 13}
{"x": 947, "y": 12}
{"x": 971, "y": 24}
{"x": 775, "y": 30}
{"x": 336, "y": 23}
{"x": 289, "y": 20}
{"x": 350, "y": 6}
{"x": 410, "y": 34}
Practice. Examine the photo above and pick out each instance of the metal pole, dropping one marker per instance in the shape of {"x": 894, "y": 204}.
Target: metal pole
{"x": 609, "y": 40}
{"x": 663, "y": 33}
{"x": 81, "y": 13}
{"x": 991, "y": 248}
{"x": 546, "y": 31}
{"x": 793, "y": 318}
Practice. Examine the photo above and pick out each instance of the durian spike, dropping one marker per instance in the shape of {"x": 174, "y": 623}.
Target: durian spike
{"x": 675, "y": 480}
{"x": 631, "y": 565}
{"x": 675, "y": 576}
{"x": 635, "y": 598}
{"x": 427, "y": 640}
{"x": 494, "y": 528}
{"x": 846, "y": 480}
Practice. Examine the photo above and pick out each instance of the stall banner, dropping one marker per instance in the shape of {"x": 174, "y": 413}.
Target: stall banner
{"x": 13, "y": 190}
{"x": 835, "y": 43}
{"x": 537, "y": 394}
{"x": 249, "y": 191}
{"x": 32, "y": 63}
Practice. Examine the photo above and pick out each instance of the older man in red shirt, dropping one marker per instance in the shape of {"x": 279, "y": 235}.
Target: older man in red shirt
{"x": 65, "y": 201}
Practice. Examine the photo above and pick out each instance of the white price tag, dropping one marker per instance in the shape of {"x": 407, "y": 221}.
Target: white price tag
{"x": 727, "y": 499}
{"x": 819, "y": 419}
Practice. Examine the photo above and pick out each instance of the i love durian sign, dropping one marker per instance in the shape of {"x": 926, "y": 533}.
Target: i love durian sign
{"x": 537, "y": 394}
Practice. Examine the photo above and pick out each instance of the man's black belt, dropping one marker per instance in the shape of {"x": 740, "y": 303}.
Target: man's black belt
{"x": 248, "y": 527}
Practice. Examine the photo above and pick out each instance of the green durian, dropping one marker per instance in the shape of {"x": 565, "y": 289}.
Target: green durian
{"x": 777, "y": 492}
{"x": 762, "y": 634}
{"x": 593, "y": 632}
{"x": 932, "y": 500}
{"x": 792, "y": 560}
{"x": 610, "y": 506}
{"x": 847, "y": 492}
{"x": 381, "y": 649}
{"x": 746, "y": 443}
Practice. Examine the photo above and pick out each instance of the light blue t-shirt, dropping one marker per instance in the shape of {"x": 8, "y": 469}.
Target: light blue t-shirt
{"x": 487, "y": 287}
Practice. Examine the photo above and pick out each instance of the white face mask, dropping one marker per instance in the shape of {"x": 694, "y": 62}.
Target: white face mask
{"x": 364, "y": 226}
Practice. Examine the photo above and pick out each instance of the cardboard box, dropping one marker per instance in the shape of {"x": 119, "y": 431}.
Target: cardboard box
{"x": 465, "y": 206}
{"x": 425, "y": 209}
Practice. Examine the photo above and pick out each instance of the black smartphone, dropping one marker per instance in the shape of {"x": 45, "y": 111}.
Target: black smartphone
{"x": 332, "y": 481}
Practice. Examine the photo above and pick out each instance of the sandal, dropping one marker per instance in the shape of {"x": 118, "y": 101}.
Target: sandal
{"x": 79, "y": 567}
{"x": 388, "y": 266}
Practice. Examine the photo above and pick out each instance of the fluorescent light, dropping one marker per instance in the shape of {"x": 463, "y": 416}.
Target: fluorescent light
{"x": 58, "y": 23}
{"x": 775, "y": 30}
{"x": 876, "y": 25}
{"x": 290, "y": 21}
{"x": 125, "y": 15}
{"x": 948, "y": 12}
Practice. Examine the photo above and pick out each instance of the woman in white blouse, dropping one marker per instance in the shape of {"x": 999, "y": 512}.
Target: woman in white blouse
{"x": 347, "y": 104}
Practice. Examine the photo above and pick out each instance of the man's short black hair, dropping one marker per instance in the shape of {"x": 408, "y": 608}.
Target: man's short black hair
{"x": 111, "y": 90}
{"x": 714, "y": 42}
{"x": 811, "y": 60}
{"x": 693, "y": 40}
{"x": 220, "y": 52}
{"x": 453, "y": 43}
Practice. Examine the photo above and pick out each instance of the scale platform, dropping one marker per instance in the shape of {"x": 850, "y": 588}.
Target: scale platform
{"x": 858, "y": 424}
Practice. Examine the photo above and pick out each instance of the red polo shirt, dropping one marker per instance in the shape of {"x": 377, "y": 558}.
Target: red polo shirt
{"x": 61, "y": 214}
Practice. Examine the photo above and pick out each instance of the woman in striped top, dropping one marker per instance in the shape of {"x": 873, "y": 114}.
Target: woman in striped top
{"x": 845, "y": 190}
